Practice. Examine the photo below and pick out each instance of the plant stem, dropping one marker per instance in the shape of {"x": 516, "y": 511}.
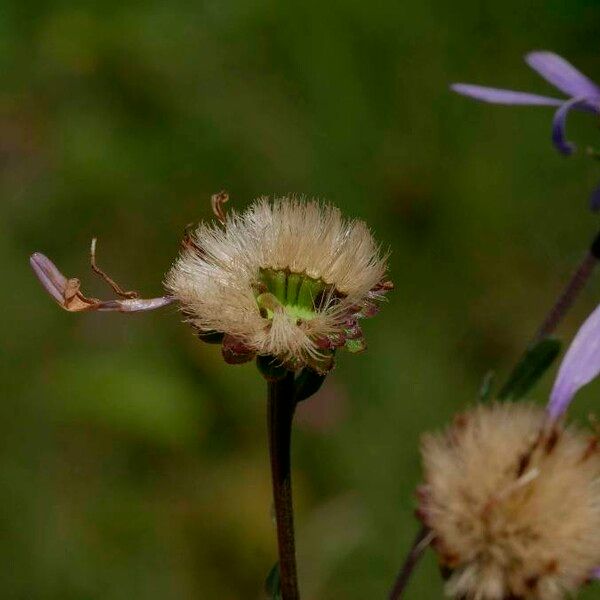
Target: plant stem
{"x": 568, "y": 296}
{"x": 410, "y": 562}
{"x": 281, "y": 406}
{"x": 574, "y": 286}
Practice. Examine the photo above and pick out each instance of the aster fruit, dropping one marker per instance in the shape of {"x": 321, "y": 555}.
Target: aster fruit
{"x": 513, "y": 505}
{"x": 287, "y": 279}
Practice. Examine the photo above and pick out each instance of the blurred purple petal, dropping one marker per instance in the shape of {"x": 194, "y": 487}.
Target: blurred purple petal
{"x": 498, "y": 96}
{"x": 559, "y": 124}
{"x": 562, "y": 74}
{"x": 595, "y": 574}
{"x": 595, "y": 199}
{"x": 580, "y": 365}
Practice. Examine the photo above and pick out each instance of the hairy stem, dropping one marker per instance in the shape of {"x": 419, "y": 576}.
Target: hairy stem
{"x": 281, "y": 405}
{"x": 570, "y": 293}
{"x": 417, "y": 549}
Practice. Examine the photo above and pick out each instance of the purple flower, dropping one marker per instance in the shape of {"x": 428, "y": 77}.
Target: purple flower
{"x": 583, "y": 94}
{"x": 580, "y": 365}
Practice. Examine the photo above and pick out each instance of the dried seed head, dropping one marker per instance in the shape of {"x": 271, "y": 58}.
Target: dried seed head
{"x": 513, "y": 504}
{"x": 286, "y": 278}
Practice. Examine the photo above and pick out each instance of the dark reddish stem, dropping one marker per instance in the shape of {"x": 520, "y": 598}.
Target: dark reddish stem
{"x": 568, "y": 296}
{"x": 281, "y": 406}
{"x": 417, "y": 549}
{"x": 571, "y": 292}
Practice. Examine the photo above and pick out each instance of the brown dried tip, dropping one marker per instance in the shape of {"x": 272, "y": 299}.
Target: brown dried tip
{"x": 68, "y": 295}
{"x": 384, "y": 286}
{"x": 217, "y": 201}
{"x": 188, "y": 242}
{"x": 111, "y": 282}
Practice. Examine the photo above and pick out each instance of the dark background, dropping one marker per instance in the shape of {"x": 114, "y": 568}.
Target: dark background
{"x": 133, "y": 461}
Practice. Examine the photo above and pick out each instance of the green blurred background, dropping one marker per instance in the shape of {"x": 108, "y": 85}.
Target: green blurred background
{"x": 133, "y": 461}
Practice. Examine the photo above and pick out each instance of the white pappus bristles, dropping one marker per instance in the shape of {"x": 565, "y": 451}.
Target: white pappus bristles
{"x": 286, "y": 278}
{"x": 514, "y": 504}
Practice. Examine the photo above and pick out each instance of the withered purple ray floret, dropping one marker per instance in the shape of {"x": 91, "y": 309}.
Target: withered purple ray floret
{"x": 53, "y": 281}
{"x": 67, "y": 294}
{"x": 580, "y": 365}
{"x": 583, "y": 94}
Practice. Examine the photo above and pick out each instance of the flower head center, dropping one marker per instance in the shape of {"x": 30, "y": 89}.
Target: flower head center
{"x": 298, "y": 295}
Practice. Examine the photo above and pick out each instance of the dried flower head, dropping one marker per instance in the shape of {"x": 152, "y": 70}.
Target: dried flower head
{"x": 287, "y": 278}
{"x": 514, "y": 503}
